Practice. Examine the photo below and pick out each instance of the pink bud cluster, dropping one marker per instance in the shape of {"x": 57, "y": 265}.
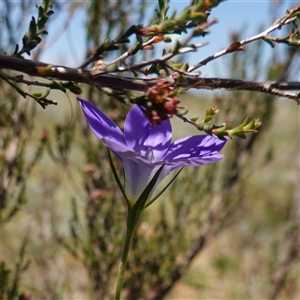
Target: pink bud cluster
{"x": 161, "y": 102}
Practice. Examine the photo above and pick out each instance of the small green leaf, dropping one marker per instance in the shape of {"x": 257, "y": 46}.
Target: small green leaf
{"x": 44, "y": 32}
{"x": 168, "y": 26}
{"x": 112, "y": 48}
{"x": 161, "y": 4}
{"x": 49, "y": 13}
{"x": 184, "y": 15}
{"x": 135, "y": 48}
{"x": 163, "y": 190}
{"x": 74, "y": 88}
{"x": 16, "y": 49}
{"x": 41, "y": 11}
{"x": 154, "y": 69}
{"x": 176, "y": 47}
{"x": 46, "y": 4}
{"x": 185, "y": 67}
{"x": 25, "y": 40}
{"x": 296, "y": 14}
{"x": 57, "y": 86}
{"x": 131, "y": 30}
{"x": 32, "y": 27}
{"x": 33, "y": 43}
{"x": 198, "y": 16}
{"x": 117, "y": 179}
{"x": 47, "y": 92}
{"x": 140, "y": 203}
{"x": 167, "y": 39}
{"x": 42, "y": 21}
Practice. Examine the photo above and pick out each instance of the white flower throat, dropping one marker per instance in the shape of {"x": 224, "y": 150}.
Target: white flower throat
{"x": 149, "y": 154}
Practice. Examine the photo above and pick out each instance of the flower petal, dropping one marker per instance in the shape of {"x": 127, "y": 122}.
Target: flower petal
{"x": 142, "y": 137}
{"x": 100, "y": 123}
{"x": 124, "y": 152}
{"x": 137, "y": 176}
{"x": 195, "y": 150}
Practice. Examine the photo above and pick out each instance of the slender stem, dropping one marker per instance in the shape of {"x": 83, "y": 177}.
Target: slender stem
{"x": 133, "y": 217}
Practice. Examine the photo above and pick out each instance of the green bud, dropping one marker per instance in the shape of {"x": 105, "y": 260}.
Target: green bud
{"x": 107, "y": 91}
{"x": 252, "y": 126}
{"x": 222, "y": 129}
{"x": 269, "y": 41}
{"x": 38, "y": 95}
{"x": 213, "y": 111}
{"x": 237, "y": 132}
{"x": 207, "y": 127}
{"x": 210, "y": 113}
{"x": 294, "y": 43}
{"x": 177, "y": 65}
{"x": 283, "y": 38}
{"x": 194, "y": 119}
{"x": 183, "y": 111}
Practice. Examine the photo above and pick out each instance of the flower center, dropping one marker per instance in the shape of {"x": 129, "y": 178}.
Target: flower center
{"x": 149, "y": 154}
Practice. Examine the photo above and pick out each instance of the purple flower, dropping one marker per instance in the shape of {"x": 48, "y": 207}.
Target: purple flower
{"x": 143, "y": 149}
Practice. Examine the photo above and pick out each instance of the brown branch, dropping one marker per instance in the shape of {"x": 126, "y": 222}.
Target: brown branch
{"x": 99, "y": 78}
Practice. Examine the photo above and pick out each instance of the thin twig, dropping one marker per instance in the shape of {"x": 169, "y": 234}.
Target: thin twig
{"x": 19, "y": 79}
{"x": 42, "y": 101}
{"x": 243, "y": 42}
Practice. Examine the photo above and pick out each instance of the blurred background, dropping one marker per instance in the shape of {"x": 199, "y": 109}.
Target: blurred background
{"x": 224, "y": 231}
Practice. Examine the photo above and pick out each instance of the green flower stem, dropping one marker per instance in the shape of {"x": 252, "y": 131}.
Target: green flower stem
{"x": 134, "y": 213}
{"x": 133, "y": 218}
